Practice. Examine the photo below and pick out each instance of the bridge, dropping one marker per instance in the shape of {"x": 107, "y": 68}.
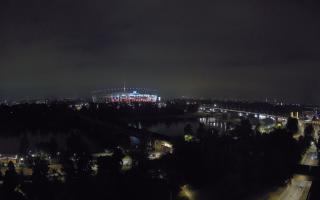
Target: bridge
{"x": 241, "y": 112}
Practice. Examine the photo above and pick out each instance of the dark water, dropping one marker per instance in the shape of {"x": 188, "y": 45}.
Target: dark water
{"x": 176, "y": 128}
{"x": 173, "y": 130}
{"x": 10, "y": 144}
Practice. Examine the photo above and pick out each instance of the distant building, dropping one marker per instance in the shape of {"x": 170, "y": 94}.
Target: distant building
{"x": 125, "y": 95}
{"x": 294, "y": 115}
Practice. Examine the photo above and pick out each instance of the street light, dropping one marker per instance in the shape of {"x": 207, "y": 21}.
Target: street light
{"x": 186, "y": 192}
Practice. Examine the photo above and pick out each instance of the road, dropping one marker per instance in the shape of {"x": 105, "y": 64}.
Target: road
{"x": 310, "y": 158}
{"x": 297, "y": 189}
{"x": 299, "y": 186}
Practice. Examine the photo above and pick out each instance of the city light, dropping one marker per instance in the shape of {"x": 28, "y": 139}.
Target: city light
{"x": 127, "y": 95}
{"x": 187, "y": 192}
{"x": 188, "y": 138}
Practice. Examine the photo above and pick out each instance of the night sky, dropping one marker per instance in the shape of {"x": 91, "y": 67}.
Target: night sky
{"x": 215, "y": 48}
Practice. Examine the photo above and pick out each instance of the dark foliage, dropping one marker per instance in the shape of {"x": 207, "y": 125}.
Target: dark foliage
{"x": 241, "y": 160}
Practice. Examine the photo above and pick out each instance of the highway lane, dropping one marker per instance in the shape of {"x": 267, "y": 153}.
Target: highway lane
{"x": 297, "y": 189}
{"x": 299, "y": 186}
{"x": 310, "y": 158}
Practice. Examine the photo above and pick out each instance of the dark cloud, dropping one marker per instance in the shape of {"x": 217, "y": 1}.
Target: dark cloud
{"x": 221, "y": 48}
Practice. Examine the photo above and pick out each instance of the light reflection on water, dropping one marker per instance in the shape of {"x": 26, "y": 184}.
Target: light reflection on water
{"x": 213, "y": 122}
{"x": 177, "y": 129}
{"x": 10, "y": 144}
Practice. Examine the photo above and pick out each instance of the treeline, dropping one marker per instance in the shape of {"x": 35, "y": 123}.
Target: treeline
{"x": 81, "y": 181}
{"x": 140, "y": 110}
{"x": 25, "y": 117}
{"x": 242, "y": 161}
{"x": 61, "y": 116}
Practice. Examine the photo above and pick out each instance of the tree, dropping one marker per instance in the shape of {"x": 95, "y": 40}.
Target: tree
{"x": 10, "y": 181}
{"x": 40, "y": 179}
{"x": 118, "y": 155}
{"x": 309, "y": 131}
{"x": 292, "y": 125}
{"x": 68, "y": 166}
{"x": 84, "y": 165}
{"x": 188, "y": 130}
{"x": 1, "y": 175}
{"x": 108, "y": 176}
{"x": 244, "y": 129}
{"x": 257, "y": 129}
{"x": 308, "y": 137}
{"x": 40, "y": 171}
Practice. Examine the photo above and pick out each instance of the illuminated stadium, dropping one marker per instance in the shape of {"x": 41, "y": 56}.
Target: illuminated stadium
{"x": 125, "y": 95}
